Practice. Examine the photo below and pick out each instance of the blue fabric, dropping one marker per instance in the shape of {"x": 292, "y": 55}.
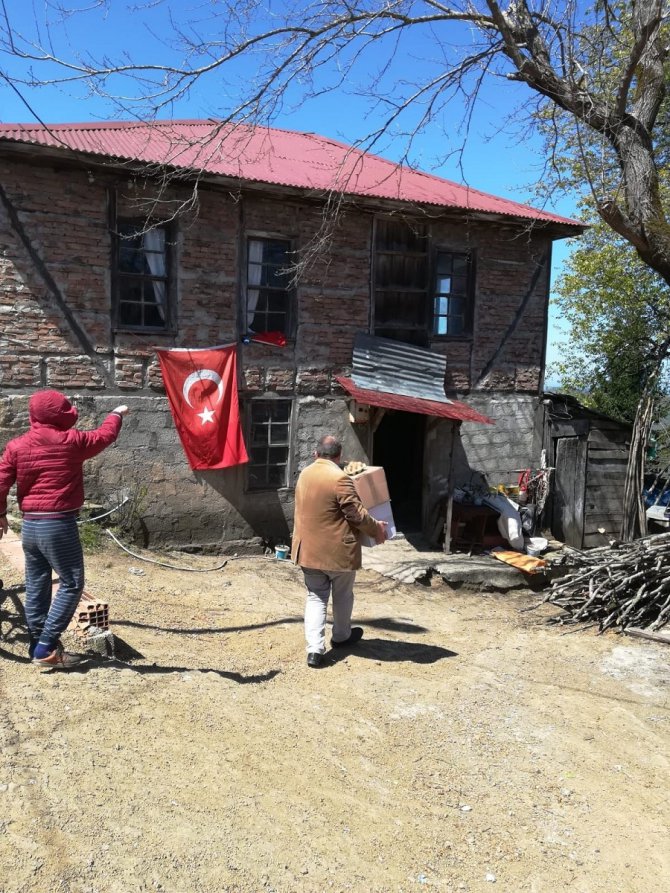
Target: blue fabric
{"x": 51, "y": 546}
{"x": 651, "y": 495}
{"x": 41, "y": 651}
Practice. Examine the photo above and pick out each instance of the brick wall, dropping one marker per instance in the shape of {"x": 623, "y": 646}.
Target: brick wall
{"x": 63, "y": 215}
{"x": 510, "y": 300}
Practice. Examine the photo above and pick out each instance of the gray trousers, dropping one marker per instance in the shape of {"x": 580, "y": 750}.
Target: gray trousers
{"x": 319, "y": 585}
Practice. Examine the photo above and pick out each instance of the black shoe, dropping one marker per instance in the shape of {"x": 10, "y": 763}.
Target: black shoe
{"x": 356, "y": 636}
{"x": 314, "y": 660}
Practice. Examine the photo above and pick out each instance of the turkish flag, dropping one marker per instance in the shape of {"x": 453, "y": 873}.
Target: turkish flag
{"x": 276, "y": 338}
{"x": 201, "y": 387}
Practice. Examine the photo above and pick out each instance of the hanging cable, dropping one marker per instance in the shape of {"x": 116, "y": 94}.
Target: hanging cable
{"x": 174, "y": 567}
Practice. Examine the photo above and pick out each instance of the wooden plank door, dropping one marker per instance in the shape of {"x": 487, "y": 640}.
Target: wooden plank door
{"x": 569, "y": 487}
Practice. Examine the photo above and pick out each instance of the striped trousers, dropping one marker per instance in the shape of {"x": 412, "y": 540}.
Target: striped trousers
{"x": 48, "y": 546}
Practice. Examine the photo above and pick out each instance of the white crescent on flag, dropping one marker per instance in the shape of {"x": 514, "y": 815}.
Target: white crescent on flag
{"x": 199, "y": 375}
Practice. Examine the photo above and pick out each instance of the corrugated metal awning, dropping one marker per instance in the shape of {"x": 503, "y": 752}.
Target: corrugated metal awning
{"x": 452, "y": 410}
{"x": 395, "y": 367}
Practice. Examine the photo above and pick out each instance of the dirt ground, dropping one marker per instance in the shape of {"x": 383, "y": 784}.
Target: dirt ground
{"x": 465, "y": 745}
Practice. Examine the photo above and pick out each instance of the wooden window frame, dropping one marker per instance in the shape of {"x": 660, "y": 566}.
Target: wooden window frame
{"x": 250, "y": 425}
{"x": 386, "y": 329}
{"x": 467, "y": 296}
{"x": 290, "y": 291}
{"x": 119, "y": 276}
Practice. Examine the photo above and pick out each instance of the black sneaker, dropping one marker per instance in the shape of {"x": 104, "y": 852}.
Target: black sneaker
{"x": 314, "y": 660}
{"x": 356, "y": 636}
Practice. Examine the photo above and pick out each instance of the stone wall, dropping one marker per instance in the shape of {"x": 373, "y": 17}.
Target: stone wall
{"x": 56, "y": 331}
{"x": 496, "y": 452}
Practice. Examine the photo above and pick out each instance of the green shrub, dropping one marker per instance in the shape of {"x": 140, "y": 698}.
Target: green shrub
{"x": 91, "y": 536}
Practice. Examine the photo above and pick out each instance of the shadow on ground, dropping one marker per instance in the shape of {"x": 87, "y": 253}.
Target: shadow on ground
{"x": 393, "y": 651}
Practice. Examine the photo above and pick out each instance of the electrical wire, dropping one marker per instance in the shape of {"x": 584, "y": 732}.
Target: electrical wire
{"x": 174, "y": 567}
{"x": 104, "y": 514}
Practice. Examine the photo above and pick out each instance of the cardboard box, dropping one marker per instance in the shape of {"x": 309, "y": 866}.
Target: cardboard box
{"x": 381, "y": 512}
{"x": 371, "y": 486}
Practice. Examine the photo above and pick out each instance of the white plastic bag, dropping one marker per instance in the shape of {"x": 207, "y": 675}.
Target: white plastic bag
{"x": 509, "y": 522}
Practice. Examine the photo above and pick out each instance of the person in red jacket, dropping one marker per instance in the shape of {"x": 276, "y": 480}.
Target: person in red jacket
{"x": 46, "y": 465}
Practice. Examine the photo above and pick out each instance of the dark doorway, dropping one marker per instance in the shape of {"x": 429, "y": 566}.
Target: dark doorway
{"x": 398, "y": 448}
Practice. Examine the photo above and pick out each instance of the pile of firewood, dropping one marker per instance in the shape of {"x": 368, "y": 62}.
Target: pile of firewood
{"x": 625, "y": 584}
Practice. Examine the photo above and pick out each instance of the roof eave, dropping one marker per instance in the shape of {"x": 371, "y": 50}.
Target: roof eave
{"x": 555, "y": 228}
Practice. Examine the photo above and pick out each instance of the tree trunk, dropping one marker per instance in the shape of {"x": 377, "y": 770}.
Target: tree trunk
{"x": 634, "y": 521}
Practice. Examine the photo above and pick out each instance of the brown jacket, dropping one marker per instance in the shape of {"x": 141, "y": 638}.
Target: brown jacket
{"x": 328, "y": 518}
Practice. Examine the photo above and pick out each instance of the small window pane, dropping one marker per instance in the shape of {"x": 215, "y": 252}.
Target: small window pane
{"x": 458, "y": 285}
{"x": 445, "y": 265}
{"x": 130, "y": 314}
{"x": 259, "y": 436}
{"x": 279, "y": 432}
{"x": 276, "y": 476}
{"x": 275, "y": 322}
{"x": 152, "y": 316}
{"x": 456, "y": 306}
{"x": 279, "y": 409}
{"x": 131, "y": 261}
{"x": 277, "y": 455}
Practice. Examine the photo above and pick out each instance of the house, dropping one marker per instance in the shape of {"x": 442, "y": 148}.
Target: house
{"x": 120, "y": 238}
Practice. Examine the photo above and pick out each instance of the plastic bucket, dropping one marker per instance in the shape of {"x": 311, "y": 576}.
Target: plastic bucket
{"x": 536, "y": 545}
{"x": 281, "y": 553}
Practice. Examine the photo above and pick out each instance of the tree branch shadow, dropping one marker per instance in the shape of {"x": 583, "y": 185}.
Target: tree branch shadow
{"x": 204, "y": 630}
{"x": 98, "y": 663}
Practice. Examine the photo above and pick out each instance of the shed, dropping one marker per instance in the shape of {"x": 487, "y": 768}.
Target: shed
{"x": 589, "y": 452}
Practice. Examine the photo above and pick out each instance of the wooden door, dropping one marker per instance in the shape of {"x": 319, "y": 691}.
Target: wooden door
{"x": 569, "y": 488}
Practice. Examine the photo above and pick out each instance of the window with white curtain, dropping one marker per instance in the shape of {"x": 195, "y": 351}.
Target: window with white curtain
{"x": 142, "y": 277}
{"x": 269, "y": 294}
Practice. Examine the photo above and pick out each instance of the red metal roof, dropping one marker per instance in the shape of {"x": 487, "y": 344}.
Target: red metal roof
{"x": 267, "y": 155}
{"x": 452, "y": 410}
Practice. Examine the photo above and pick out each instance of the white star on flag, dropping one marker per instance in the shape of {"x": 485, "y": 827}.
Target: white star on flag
{"x": 207, "y": 415}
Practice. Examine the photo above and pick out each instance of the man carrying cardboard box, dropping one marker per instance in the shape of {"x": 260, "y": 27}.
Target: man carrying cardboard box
{"x": 329, "y": 519}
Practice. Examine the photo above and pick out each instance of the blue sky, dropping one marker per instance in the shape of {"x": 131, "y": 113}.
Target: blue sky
{"x": 498, "y": 157}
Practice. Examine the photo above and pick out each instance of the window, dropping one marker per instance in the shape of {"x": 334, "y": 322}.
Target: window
{"x": 401, "y": 281}
{"x": 269, "y": 294}
{"x": 142, "y": 277}
{"x": 451, "y": 301}
{"x": 269, "y": 439}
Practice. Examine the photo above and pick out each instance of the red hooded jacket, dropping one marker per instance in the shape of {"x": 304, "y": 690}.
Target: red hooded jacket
{"x": 46, "y": 462}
